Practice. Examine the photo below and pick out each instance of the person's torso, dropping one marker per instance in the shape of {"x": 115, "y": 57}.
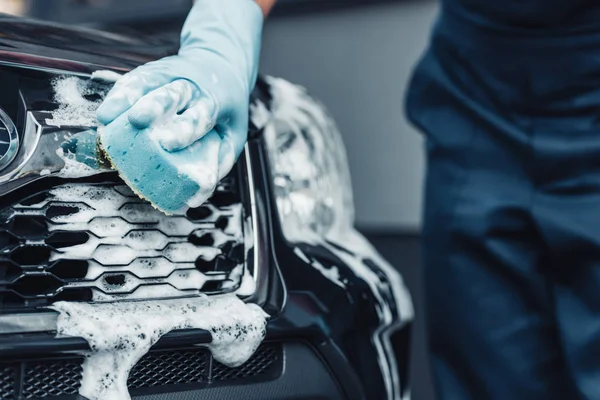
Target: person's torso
{"x": 528, "y": 14}
{"x": 522, "y": 57}
{"x": 522, "y": 75}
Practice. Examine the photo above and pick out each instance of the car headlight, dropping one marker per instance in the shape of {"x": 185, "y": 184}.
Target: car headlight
{"x": 311, "y": 179}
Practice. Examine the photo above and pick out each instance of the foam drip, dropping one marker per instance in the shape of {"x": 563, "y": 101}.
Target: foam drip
{"x": 304, "y": 145}
{"x": 119, "y": 334}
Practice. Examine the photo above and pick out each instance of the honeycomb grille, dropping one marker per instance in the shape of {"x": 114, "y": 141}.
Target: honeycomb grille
{"x": 51, "y": 378}
{"x": 8, "y": 374}
{"x": 261, "y": 361}
{"x": 82, "y": 242}
{"x": 168, "y": 369}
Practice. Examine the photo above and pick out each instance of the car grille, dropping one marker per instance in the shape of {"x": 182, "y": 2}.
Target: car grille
{"x": 99, "y": 241}
{"x": 159, "y": 369}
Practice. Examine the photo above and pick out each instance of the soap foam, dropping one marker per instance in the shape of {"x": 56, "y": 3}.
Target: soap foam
{"x": 106, "y": 76}
{"x": 73, "y": 168}
{"x": 206, "y": 178}
{"x": 317, "y": 151}
{"x": 119, "y": 334}
{"x": 77, "y": 99}
{"x": 247, "y": 285}
{"x": 179, "y": 129}
{"x": 211, "y": 172}
{"x": 205, "y": 173}
{"x": 74, "y": 109}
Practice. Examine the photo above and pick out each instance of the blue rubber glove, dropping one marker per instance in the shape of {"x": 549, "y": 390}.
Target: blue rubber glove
{"x": 174, "y": 127}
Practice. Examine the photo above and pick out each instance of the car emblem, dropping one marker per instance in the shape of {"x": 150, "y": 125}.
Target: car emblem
{"x": 9, "y": 140}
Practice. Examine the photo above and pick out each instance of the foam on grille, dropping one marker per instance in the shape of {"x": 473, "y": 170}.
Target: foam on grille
{"x": 55, "y": 377}
{"x": 119, "y": 334}
{"x": 119, "y": 247}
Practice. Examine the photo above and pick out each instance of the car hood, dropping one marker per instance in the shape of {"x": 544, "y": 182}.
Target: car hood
{"x": 34, "y": 43}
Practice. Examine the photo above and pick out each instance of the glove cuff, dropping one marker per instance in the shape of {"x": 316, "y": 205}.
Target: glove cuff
{"x": 231, "y": 28}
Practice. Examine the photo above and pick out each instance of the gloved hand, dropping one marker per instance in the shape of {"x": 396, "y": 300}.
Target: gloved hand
{"x": 174, "y": 127}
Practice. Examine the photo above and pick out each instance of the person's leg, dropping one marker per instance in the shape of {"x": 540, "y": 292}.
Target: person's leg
{"x": 567, "y": 208}
{"x": 490, "y": 319}
{"x": 491, "y": 329}
{"x": 491, "y": 325}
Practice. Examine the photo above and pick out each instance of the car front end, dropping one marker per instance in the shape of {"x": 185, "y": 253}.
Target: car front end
{"x": 278, "y": 231}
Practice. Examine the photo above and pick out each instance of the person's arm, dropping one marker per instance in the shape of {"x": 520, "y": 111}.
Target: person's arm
{"x": 266, "y": 5}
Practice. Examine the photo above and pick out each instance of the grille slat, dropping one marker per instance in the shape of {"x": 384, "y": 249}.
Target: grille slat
{"x": 62, "y": 376}
{"x": 101, "y": 242}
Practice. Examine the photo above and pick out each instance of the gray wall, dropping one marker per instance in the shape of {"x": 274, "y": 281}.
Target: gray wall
{"x": 358, "y": 62}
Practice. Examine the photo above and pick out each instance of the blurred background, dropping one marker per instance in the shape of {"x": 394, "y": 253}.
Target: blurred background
{"x": 354, "y": 55}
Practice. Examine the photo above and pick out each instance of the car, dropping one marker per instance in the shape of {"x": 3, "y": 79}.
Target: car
{"x": 280, "y": 226}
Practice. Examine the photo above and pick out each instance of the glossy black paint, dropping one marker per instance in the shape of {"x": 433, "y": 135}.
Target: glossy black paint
{"x": 54, "y": 47}
{"x": 346, "y": 316}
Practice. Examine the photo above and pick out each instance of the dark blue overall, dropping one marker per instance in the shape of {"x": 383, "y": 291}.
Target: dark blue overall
{"x": 508, "y": 95}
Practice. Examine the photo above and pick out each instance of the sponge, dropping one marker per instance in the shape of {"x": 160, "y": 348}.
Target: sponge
{"x": 173, "y": 181}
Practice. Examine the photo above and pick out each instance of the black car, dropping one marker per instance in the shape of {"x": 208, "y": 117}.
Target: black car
{"x": 281, "y": 226}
